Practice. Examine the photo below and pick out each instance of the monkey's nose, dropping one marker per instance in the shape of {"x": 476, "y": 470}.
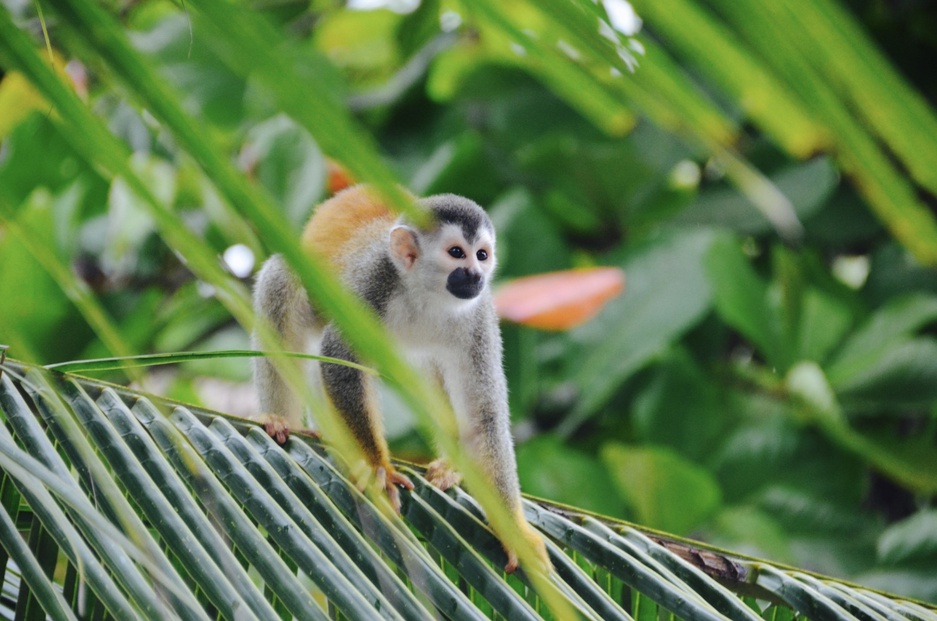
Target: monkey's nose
{"x": 464, "y": 283}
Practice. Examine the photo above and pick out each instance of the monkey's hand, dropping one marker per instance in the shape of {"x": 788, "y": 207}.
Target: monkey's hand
{"x": 386, "y": 477}
{"x": 278, "y": 428}
{"x": 441, "y": 474}
{"x": 391, "y": 479}
{"x": 534, "y": 540}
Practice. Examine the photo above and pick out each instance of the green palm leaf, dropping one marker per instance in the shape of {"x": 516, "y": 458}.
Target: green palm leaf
{"x": 165, "y": 511}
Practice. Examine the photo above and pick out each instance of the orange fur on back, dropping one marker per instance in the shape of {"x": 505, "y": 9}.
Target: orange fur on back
{"x": 348, "y": 219}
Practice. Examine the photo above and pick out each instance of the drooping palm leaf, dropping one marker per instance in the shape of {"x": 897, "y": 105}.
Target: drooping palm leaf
{"x": 120, "y": 505}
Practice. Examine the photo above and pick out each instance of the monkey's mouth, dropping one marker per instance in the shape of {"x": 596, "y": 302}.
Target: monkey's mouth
{"x": 464, "y": 284}
{"x": 466, "y": 292}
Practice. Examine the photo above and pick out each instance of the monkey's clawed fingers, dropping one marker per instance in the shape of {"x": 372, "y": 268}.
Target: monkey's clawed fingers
{"x": 391, "y": 480}
{"x": 387, "y": 478}
{"x": 277, "y": 428}
{"x": 512, "y": 563}
{"x": 395, "y": 478}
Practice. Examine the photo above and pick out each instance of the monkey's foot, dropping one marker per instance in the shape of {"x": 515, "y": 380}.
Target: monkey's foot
{"x": 386, "y": 477}
{"x": 534, "y": 540}
{"x": 278, "y": 428}
{"x": 441, "y": 474}
{"x": 391, "y": 479}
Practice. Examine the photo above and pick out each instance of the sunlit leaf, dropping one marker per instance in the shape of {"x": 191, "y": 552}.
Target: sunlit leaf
{"x": 708, "y": 44}
{"x": 17, "y": 99}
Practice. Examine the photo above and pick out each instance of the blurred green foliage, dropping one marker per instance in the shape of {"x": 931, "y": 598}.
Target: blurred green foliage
{"x": 771, "y": 391}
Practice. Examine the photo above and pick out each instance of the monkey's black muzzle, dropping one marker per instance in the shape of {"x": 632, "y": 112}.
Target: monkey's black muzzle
{"x": 464, "y": 283}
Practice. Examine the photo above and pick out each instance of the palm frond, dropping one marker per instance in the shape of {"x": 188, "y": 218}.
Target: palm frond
{"x": 120, "y": 505}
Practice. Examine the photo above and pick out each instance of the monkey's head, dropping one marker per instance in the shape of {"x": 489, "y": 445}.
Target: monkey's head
{"x": 453, "y": 257}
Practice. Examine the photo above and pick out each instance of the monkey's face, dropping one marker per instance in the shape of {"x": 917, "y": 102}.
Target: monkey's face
{"x": 469, "y": 262}
{"x": 452, "y": 262}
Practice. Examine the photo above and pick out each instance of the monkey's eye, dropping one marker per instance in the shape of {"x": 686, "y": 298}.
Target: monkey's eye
{"x": 456, "y": 253}
{"x": 481, "y": 255}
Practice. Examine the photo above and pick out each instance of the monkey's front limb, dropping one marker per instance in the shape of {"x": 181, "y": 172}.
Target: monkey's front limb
{"x": 478, "y": 392}
{"x": 352, "y": 394}
{"x": 493, "y": 451}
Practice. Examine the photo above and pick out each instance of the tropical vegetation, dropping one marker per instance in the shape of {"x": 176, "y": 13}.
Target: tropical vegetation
{"x": 763, "y": 172}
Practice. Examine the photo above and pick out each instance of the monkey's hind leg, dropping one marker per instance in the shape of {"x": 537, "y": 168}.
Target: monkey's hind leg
{"x": 352, "y": 394}
{"x": 281, "y": 301}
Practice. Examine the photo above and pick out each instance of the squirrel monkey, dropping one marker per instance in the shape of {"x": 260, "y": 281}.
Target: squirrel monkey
{"x": 430, "y": 288}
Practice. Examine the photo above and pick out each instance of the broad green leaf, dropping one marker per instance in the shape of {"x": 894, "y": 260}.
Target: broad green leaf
{"x": 210, "y": 88}
{"x": 886, "y": 328}
{"x": 458, "y": 166}
{"x": 741, "y": 299}
{"x": 806, "y": 512}
{"x": 571, "y": 208}
{"x": 913, "y": 538}
{"x": 912, "y": 464}
{"x": 895, "y": 272}
{"x": 528, "y": 241}
{"x": 667, "y": 294}
{"x": 769, "y": 446}
{"x": 824, "y": 322}
{"x": 903, "y": 374}
{"x": 680, "y": 408}
{"x": 129, "y": 221}
{"x": 184, "y": 319}
{"x": 361, "y": 43}
{"x": 807, "y": 382}
{"x": 31, "y": 227}
{"x": 34, "y": 312}
{"x": 38, "y": 157}
{"x": 664, "y": 490}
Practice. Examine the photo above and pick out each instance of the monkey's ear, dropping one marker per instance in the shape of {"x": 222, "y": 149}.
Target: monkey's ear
{"x": 404, "y": 247}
